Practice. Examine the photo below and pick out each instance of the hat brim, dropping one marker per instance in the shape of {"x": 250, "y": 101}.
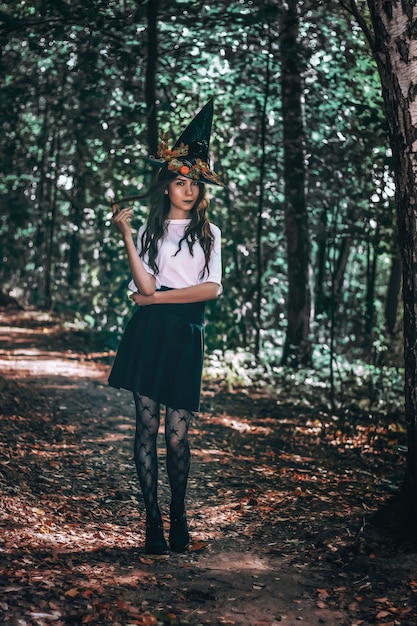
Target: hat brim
{"x": 160, "y": 163}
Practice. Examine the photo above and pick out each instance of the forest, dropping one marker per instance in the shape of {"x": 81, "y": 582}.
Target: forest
{"x": 313, "y": 281}
{"x": 302, "y": 492}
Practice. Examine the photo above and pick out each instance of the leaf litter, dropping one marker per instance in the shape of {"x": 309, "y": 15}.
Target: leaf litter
{"x": 279, "y": 501}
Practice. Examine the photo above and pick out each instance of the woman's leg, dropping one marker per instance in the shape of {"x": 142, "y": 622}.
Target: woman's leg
{"x": 178, "y": 467}
{"x": 146, "y": 459}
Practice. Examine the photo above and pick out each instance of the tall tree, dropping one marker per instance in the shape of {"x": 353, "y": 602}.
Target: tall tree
{"x": 150, "y": 81}
{"x": 261, "y": 200}
{"x": 297, "y": 347}
{"x": 393, "y": 39}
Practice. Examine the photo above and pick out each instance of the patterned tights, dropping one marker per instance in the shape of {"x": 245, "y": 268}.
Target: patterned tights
{"x": 178, "y": 455}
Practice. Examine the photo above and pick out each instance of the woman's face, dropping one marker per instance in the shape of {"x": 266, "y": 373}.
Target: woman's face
{"x": 183, "y": 194}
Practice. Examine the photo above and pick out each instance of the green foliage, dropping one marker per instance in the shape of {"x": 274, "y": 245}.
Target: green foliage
{"x": 74, "y": 134}
{"x": 357, "y": 385}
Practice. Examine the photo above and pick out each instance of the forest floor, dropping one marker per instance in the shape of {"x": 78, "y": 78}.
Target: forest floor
{"x": 279, "y": 502}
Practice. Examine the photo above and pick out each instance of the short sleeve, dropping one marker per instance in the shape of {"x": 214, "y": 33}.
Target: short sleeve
{"x": 215, "y": 263}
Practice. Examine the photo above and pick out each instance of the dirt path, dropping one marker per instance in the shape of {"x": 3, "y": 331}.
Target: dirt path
{"x": 277, "y": 501}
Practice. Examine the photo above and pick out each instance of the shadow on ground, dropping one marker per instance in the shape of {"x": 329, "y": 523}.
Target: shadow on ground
{"x": 279, "y": 501}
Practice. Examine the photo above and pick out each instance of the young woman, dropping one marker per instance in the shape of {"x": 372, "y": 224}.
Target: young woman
{"x": 176, "y": 269}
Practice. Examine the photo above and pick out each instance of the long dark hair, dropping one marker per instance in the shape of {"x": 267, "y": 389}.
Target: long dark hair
{"x": 197, "y": 230}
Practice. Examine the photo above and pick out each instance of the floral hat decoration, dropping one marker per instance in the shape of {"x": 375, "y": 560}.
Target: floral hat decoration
{"x": 189, "y": 155}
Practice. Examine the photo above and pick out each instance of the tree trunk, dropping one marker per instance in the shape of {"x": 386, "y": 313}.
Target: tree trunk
{"x": 394, "y": 286}
{"x": 259, "y": 221}
{"x": 339, "y": 270}
{"x": 297, "y": 348}
{"x": 321, "y": 242}
{"x": 52, "y": 223}
{"x": 150, "y": 82}
{"x": 395, "y": 49}
{"x": 78, "y": 204}
{"x": 371, "y": 263}
{"x": 39, "y": 297}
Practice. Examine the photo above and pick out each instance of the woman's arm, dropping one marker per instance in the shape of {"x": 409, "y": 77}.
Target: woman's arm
{"x": 144, "y": 281}
{"x": 184, "y": 295}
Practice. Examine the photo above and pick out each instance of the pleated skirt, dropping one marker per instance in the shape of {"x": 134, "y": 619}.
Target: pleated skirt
{"x": 161, "y": 354}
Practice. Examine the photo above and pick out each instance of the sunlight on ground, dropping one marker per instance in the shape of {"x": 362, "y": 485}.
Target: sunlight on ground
{"x": 241, "y": 425}
{"x": 203, "y": 452}
{"x": 41, "y": 365}
{"x": 236, "y": 561}
{"x": 39, "y": 525}
{"x": 7, "y": 330}
{"x": 34, "y": 525}
{"x": 27, "y": 359}
{"x": 108, "y": 438}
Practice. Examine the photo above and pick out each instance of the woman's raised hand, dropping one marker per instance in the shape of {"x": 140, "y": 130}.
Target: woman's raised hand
{"x": 122, "y": 217}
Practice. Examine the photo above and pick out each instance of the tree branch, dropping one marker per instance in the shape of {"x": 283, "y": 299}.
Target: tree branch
{"x": 351, "y": 7}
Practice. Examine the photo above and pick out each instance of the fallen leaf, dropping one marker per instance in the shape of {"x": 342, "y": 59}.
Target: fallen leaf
{"x": 71, "y": 593}
{"x": 383, "y": 614}
{"x": 38, "y": 511}
{"x": 51, "y": 616}
{"x": 198, "y": 545}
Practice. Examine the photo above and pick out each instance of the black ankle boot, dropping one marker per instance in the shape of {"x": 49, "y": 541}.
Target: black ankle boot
{"x": 155, "y": 541}
{"x": 179, "y": 539}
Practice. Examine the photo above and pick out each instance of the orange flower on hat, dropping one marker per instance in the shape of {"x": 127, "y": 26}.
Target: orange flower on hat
{"x": 174, "y": 165}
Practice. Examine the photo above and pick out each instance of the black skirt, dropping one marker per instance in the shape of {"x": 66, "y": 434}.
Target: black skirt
{"x": 161, "y": 354}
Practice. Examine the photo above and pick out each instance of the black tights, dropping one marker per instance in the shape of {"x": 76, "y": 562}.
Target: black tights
{"x": 178, "y": 454}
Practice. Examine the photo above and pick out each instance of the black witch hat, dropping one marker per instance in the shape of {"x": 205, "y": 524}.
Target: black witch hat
{"x": 189, "y": 155}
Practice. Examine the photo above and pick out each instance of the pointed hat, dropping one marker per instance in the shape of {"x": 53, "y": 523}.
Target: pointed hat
{"x": 189, "y": 156}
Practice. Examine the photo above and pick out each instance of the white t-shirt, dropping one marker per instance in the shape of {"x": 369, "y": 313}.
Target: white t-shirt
{"x": 181, "y": 269}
